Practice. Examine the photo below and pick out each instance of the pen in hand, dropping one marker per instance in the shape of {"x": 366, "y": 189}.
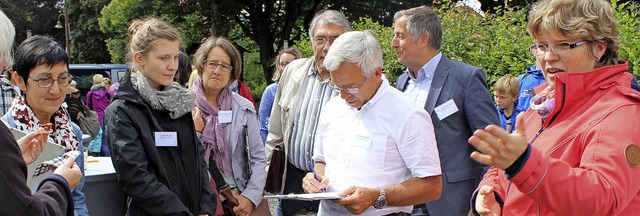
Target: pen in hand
{"x": 315, "y": 175}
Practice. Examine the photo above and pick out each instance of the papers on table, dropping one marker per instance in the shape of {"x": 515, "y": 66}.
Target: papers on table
{"x": 314, "y": 196}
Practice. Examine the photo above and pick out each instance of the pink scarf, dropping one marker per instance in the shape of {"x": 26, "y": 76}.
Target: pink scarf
{"x": 214, "y": 135}
{"x": 544, "y": 102}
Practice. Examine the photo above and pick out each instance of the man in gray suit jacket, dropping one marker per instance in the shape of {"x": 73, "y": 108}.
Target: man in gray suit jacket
{"x": 454, "y": 94}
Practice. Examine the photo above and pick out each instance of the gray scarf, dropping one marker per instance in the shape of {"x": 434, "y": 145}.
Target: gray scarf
{"x": 173, "y": 98}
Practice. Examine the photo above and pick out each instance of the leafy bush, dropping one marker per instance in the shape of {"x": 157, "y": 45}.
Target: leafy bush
{"x": 628, "y": 16}
{"x": 498, "y": 43}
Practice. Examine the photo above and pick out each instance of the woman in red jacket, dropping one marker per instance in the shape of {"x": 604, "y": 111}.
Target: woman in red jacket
{"x": 575, "y": 152}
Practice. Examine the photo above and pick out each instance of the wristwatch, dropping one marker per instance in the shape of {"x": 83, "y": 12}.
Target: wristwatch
{"x": 381, "y": 201}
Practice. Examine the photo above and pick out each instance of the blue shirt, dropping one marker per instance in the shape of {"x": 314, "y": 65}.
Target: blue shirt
{"x": 418, "y": 87}
{"x": 512, "y": 121}
{"x": 264, "y": 112}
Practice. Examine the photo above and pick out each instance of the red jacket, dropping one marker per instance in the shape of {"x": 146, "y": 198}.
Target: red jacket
{"x": 577, "y": 164}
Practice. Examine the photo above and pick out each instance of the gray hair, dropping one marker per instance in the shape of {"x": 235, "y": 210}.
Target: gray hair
{"x": 359, "y": 47}
{"x": 422, "y": 20}
{"x": 8, "y": 33}
{"x": 328, "y": 17}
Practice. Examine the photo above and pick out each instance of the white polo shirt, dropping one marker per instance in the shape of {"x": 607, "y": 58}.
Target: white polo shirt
{"x": 389, "y": 140}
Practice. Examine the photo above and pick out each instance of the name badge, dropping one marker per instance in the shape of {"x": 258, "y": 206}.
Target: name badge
{"x": 446, "y": 109}
{"x": 166, "y": 139}
{"x": 224, "y": 116}
{"x": 362, "y": 140}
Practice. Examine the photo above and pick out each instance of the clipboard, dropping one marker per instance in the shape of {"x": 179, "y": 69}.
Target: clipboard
{"x": 307, "y": 197}
{"x": 50, "y": 151}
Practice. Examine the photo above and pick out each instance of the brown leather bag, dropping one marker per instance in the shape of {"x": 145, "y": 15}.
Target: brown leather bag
{"x": 276, "y": 169}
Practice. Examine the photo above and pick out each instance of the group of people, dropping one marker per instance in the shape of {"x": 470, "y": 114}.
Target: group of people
{"x": 433, "y": 145}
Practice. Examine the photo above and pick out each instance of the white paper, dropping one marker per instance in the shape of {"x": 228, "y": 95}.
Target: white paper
{"x": 50, "y": 151}
{"x": 313, "y": 196}
{"x": 224, "y": 116}
{"x": 166, "y": 139}
{"x": 446, "y": 109}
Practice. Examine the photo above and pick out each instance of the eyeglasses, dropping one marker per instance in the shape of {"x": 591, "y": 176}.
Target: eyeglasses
{"x": 558, "y": 49}
{"x": 48, "y": 82}
{"x": 214, "y": 64}
{"x": 350, "y": 90}
{"x": 321, "y": 40}
{"x": 283, "y": 64}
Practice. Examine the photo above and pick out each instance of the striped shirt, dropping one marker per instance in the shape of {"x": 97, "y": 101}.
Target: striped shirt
{"x": 7, "y": 92}
{"x": 315, "y": 93}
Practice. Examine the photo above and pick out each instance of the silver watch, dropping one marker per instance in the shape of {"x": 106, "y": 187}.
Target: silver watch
{"x": 381, "y": 201}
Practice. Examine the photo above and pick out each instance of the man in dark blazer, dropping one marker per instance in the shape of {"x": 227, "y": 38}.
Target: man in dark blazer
{"x": 455, "y": 94}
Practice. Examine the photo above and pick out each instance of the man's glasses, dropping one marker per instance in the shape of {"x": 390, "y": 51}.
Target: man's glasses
{"x": 213, "y": 64}
{"x": 350, "y": 90}
{"x": 322, "y": 40}
{"x": 48, "y": 82}
{"x": 558, "y": 49}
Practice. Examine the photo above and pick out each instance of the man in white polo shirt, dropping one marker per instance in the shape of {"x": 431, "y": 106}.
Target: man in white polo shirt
{"x": 373, "y": 145}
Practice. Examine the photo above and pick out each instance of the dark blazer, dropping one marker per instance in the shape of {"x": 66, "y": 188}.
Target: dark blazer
{"x": 467, "y": 86}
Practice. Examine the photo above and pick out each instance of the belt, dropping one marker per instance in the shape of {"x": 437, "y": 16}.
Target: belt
{"x": 399, "y": 214}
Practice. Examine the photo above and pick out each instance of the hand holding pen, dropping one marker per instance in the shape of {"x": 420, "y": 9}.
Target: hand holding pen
{"x": 312, "y": 183}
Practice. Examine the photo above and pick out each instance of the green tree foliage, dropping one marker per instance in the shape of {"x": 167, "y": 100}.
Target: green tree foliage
{"x": 628, "y": 16}
{"x": 119, "y": 13}
{"x": 497, "y": 43}
{"x": 87, "y": 40}
{"x": 267, "y": 22}
{"x": 39, "y": 16}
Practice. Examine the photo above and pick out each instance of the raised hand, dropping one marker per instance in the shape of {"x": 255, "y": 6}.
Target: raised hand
{"x": 496, "y": 147}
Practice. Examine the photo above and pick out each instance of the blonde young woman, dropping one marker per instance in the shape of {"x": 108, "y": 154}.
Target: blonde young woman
{"x": 155, "y": 151}
{"x": 228, "y": 124}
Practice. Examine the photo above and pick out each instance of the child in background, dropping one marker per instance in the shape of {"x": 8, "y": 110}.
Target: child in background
{"x": 505, "y": 93}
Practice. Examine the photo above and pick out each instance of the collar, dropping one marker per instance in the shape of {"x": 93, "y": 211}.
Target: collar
{"x": 312, "y": 69}
{"x": 571, "y": 86}
{"x": 427, "y": 71}
{"x": 384, "y": 87}
{"x": 313, "y": 73}
{"x": 577, "y": 84}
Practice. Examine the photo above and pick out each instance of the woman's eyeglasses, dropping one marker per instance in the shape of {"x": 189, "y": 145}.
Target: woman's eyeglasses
{"x": 48, "y": 82}
{"x": 558, "y": 49}
{"x": 213, "y": 64}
